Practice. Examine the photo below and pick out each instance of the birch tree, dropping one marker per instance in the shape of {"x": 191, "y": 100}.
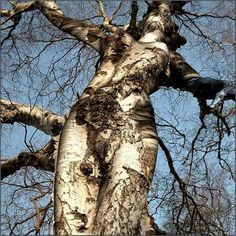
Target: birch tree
{"x": 103, "y": 150}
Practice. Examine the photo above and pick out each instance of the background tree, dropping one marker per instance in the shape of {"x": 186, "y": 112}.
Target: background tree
{"x": 45, "y": 65}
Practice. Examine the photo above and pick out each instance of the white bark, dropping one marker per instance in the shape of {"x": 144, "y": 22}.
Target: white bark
{"x": 75, "y": 195}
{"x": 103, "y": 175}
{"x": 44, "y": 120}
{"x": 80, "y": 29}
{"x": 108, "y": 146}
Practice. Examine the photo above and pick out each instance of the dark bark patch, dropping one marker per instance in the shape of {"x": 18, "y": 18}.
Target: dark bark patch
{"x": 91, "y": 142}
{"x": 100, "y": 110}
{"x": 80, "y": 121}
{"x": 46, "y": 114}
{"x": 56, "y": 127}
{"x": 86, "y": 168}
{"x": 115, "y": 47}
{"x": 90, "y": 199}
{"x": 98, "y": 148}
{"x": 81, "y": 111}
{"x": 81, "y": 217}
{"x": 102, "y": 148}
{"x": 89, "y": 90}
{"x": 93, "y": 35}
{"x": 102, "y": 73}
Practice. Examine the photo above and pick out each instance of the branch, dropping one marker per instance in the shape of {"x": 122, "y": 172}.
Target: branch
{"x": 158, "y": 26}
{"x": 44, "y": 120}
{"x": 198, "y": 15}
{"x": 107, "y": 21}
{"x": 177, "y": 7}
{"x": 15, "y": 16}
{"x": 132, "y": 28}
{"x": 134, "y": 12}
{"x": 80, "y": 29}
{"x": 42, "y": 160}
{"x": 184, "y": 77}
{"x": 181, "y": 183}
{"x": 18, "y": 8}
{"x": 193, "y": 207}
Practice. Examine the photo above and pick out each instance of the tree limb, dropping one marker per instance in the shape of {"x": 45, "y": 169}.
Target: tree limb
{"x": 42, "y": 160}
{"x": 134, "y": 12}
{"x": 107, "y": 21}
{"x": 132, "y": 28}
{"x": 184, "y": 77}
{"x": 175, "y": 6}
{"x": 44, "y": 120}
{"x": 80, "y": 29}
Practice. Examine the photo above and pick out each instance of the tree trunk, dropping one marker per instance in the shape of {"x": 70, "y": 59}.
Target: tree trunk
{"x": 108, "y": 146}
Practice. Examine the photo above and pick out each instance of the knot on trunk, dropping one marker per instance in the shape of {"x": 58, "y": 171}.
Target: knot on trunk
{"x": 86, "y": 168}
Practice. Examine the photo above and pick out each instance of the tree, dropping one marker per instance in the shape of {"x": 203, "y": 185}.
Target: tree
{"x": 103, "y": 152}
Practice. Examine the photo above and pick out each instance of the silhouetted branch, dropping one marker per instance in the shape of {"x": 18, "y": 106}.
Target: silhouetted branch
{"x": 42, "y": 160}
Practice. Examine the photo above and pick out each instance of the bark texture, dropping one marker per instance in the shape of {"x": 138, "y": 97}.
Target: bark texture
{"x": 106, "y": 171}
{"x": 108, "y": 145}
{"x": 80, "y": 29}
{"x": 42, "y": 159}
{"x": 46, "y": 121}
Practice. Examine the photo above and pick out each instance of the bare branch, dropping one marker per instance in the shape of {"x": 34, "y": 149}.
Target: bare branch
{"x": 18, "y": 8}
{"x": 80, "y": 29}
{"x": 197, "y": 15}
{"x": 187, "y": 198}
{"x": 132, "y": 28}
{"x": 181, "y": 183}
{"x": 31, "y": 216}
{"x": 44, "y": 120}
{"x": 42, "y": 159}
{"x": 15, "y": 15}
{"x": 184, "y": 77}
{"x": 134, "y": 12}
{"x": 107, "y": 21}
